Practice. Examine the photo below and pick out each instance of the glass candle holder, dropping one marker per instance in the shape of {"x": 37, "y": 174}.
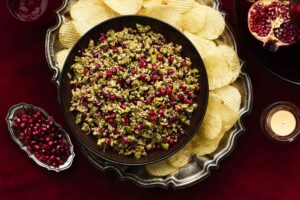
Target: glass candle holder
{"x": 281, "y": 122}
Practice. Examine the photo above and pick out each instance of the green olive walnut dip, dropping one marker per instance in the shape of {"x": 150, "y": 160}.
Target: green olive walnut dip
{"x": 133, "y": 91}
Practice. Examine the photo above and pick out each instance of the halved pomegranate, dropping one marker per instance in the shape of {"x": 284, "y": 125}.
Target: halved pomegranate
{"x": 269, "y": 22}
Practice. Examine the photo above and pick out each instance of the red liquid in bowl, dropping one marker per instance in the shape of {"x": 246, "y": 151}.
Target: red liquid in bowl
{"x": 27, "y": 10}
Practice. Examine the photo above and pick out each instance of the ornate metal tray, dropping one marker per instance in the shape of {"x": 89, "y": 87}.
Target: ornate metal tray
{"x": 200, "y": 166}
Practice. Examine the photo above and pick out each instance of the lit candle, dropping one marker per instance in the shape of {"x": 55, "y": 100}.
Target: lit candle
{"x": 281, "y": 121}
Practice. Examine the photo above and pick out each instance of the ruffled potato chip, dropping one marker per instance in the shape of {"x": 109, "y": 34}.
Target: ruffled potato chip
{"x": 214, "y": 24}
{"x": 202, "y": 45}
{"x": 181, "y": 158}
{"x": 151, "y": 3}
{"x": 68, "y": 35}
{"x": 218, "y": 71}
{"x": 88, "y": 13}
{"x": 230, "y": 96}
{"x": 125, "y": 7}
{"x": 162, "y": 168}
{"x": 168, "y": 14}
{"x": 228, "y": 115}
{"x": 61, "y": 57}
{"x": 202, "y": 146}
{"x": 211, "y": 126}
{"x": 195, "y": 19}
{"x": 183, "y": 6}
{"x": 233, "y": 60}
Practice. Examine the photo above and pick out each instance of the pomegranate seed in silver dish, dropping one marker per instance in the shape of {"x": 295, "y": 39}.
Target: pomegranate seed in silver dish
{"x": 44, "y": 141}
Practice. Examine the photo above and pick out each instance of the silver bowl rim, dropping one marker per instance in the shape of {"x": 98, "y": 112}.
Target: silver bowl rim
{"x": 168, "y": 182}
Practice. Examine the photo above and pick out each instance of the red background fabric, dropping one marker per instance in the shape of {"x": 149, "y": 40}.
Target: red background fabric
{"x": 256, "y": 169}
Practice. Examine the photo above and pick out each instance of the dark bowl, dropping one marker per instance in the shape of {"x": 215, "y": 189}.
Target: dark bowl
{"x": 172, "y": 35}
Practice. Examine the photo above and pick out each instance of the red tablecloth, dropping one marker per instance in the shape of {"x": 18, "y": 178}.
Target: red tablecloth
{"x": 256, "y": 169}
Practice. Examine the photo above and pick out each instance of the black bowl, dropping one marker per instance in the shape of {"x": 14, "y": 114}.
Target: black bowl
{"x": 172, "y": 35}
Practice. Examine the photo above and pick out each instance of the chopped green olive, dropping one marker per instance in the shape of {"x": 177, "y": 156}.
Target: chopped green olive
{"x": 133, "y": 91}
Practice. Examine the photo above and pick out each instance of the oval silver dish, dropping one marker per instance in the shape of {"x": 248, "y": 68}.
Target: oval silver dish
{"x": 9, "y": 119}
{"x": 200, "y": 166}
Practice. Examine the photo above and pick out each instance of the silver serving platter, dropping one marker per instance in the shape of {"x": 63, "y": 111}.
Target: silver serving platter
{"x": 199, "y": 167}
{"x": 9, "y": 119}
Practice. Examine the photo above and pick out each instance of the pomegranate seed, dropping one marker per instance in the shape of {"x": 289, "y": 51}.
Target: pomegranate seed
{"x": 97, "y": 67}
{"x": 112, "y": 97}
{"x": 189, "y": 93}
{"x": 171, "y": 59}
{"x": 160, "y": 58}
{"x": 170, "y": 141}
{"x": 153, "y": 78}
{"x": 100, "y": 76}
{"x": 180, "y": 96}
{"x": 161, "y": 113}
{"x": 169, "y": 84}
{"x": 22, "y": 125}
{"x": 157, "y": 47}
{"x": 86, "y": 71}
{"x": 171, "y": 118}
{"x": 149, "y": 101}
{"x": 143, "y": 76}
{"x": 102, "y": 130}
{"x": 153, "y": 118}
{"x": 154, "y": 67}
{"x": 36, "y": 147}
{"x": 178, "y": 109}
{"x": 188, "y": 101}
{"x": 115, "y": 50}
{"x": 184, "y": 63}
{"x": 170, "y": 71}
{"x": 169, "y": 90}
{"x": 103, "y": 37}
{"x": 121, "y": 68}
{"x": 112, "y": 116}
{"x": 126, "y": 119}
{"x": 124, "y": 140}
{"x": 123, "y": 106}
{"x": 162, "y": 91}
{"x": 133, "y": 71}
{"x": 108, "y": 141}
{"x": 114, "y": 70}
{"x": 183, "y": 87}
{"x": 157, "y": 93}
{"x": 116, "y": 132}
{"x": 138, "y": 127}
{"x": 109, "y": 73}
{"x": 151, "y": 112}
{"x": 142, "y": 63}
